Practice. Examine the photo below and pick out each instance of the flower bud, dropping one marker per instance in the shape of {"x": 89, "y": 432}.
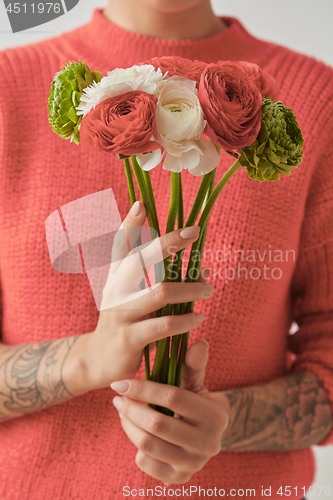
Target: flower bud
{"x": 65, "y": 95}
{"x": 277, "y": 149}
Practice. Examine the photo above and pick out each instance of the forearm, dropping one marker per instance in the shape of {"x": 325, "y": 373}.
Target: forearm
{"x": 36, "y": 376}
{"x": 289, "y": 413}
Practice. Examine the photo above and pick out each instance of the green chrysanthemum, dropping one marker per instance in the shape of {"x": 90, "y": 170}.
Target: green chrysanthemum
{"x": 277, "y": 149}
{"x": 65, "y": 95}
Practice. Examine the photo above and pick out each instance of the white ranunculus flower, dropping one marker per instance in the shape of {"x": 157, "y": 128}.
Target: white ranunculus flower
{"x": 148, "y": 161}
{"x": 118, "y": 82}
{"x": 180, "y": 125}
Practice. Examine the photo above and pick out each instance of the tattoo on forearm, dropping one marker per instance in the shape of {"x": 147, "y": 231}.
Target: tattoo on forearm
{"x": 291, "y": 413}
{"x": 31, "y": 377}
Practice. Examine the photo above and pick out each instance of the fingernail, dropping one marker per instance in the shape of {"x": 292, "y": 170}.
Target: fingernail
{"x": 205, "y": 342}
{"x": 205, "y": 272}
{"x": 136, "y": 209}
{"x": 190, "y": 232}
{"x": 209, "y": 290}
{"x": 120, "y": 387}
{"x": 201, "y": 318}
{"x": 117, "y": 402}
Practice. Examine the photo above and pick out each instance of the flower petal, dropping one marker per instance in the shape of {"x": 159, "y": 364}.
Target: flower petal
{"x": 208, "y": 160}
{"x": 186, "y": 161}
{"x": 118, "y": 82}
{"x": 148, "y": 161}
{"x": 179, "y": 117}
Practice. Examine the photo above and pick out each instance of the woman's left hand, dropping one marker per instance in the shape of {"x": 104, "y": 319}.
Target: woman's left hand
{"x": 172, "y": 449}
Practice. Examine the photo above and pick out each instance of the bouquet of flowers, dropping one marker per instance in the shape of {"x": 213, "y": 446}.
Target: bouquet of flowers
{"x": 179, "y": 114}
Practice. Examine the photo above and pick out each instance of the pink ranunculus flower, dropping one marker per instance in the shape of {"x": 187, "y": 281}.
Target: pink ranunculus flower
{"x": 123, "y": 124}
{"x": 232, "y": 106}
{"x": 117, "y": 82}
{"x": 263, "y": 80}
{"x": 179, "y": 66}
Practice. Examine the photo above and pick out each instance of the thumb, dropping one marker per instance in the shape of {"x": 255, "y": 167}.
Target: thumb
{"x": 127, "y": 235}
{"x": 195, "y": 366}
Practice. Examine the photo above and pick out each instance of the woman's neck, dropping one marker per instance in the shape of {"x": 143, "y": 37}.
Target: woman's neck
{"x": 196, "y": 21}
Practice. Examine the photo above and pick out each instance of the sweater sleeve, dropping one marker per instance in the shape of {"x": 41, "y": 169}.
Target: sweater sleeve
{"x": 2, "y": 138}
{"x": 312, "y": 286}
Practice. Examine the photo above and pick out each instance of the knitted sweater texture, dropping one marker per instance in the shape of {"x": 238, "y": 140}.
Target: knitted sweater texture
{"x": 78, "y": 449}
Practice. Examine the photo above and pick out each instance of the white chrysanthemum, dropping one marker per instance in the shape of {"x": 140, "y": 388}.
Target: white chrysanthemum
{"x": 180, "y": 125}
{"x": 118, "y": 82}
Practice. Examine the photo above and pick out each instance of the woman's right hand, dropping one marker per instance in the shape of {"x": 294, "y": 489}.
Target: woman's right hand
{"x": 114, "y": 350}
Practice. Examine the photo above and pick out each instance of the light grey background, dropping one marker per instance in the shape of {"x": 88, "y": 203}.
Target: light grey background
{"x": 303, "y": 25}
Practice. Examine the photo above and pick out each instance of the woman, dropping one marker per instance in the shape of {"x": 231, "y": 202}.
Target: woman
{"x": 247, "y": 424}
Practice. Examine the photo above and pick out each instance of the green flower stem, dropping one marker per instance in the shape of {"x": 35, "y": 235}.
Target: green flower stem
{"x": 129, "y": 179}
{"x": 146, "y": 176}
{"x": 149, "y": 188}
{"x": 206, "y": 182}
{"x": 153, "y": 223}
{"x": 161, "y": 345}
{"x": 180, "y": 215}
{"x": 217, "y": 191}
{"x": 194, "y": 264}
{"x": 176, "y": 309}
{"x": 173, "y": 358}
{"x": 165, "y": 364}
{"x": 204, "y": 230}
{"x": 188, "y": 308}
{"x": 174, "y": 201}
{"x": 180, "y": 225}
{"x": 173, "y": 212}
{"x": 181, "y": 360}
{"x": 131, "y": 191}
{"x": 148, "y": 200}
{"x": 199, "y": 199}
{"x": 210, "y": 189}
{"x": 205, "y": 214}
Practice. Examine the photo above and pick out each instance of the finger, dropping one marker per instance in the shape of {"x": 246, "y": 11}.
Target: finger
{"x": 188, "y": 405}
{"x": 149, "y": 300}
{"x": 195, "y": 365}
{"x": 154, "y": 252}
{"x": 160, "y": 470}
{"x": 169, "y": 429}
{"x": 152, "y": 346}
{"x": 204, "y": 275}
{"x": 159, "y": 449}
{"x": 125, "y": 239}
{"x": 153, "y": 329}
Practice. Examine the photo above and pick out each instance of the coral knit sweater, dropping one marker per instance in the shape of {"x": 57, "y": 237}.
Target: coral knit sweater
{"x": 78, "y": 449}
